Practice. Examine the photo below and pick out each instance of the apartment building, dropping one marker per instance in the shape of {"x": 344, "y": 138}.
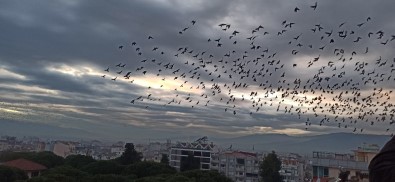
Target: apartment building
{"x": 327, "y": 165}
{"x": 199, "y": 149}
{"x": 237, "y": 165}
{"x": 292, "y": 167}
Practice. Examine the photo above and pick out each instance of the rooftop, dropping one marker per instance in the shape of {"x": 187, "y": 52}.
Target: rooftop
{"x": 25, "y": 165}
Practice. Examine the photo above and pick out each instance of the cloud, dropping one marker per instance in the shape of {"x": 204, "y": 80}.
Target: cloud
{"x": 54, "y": 54}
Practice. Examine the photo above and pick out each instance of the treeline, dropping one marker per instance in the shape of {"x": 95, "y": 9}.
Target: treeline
{"x": 80, "y": 168}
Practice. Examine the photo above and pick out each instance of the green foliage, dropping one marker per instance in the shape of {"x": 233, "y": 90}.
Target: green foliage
{"x": 343, "y": 175}
{"x": 66, "y": 171}
{"x": 179, "y": 178}
{"x": 164, "y": 159}
{"x": 148, "y": 168}
{"x": 206, "y": 176}
{"x": 47, "y": 159}
{"x": 103, "y": 167}
{"x": 151, "y": 179}
{"x": 189, "y": 163}
{"x": 53, "y": 178}
{"x": 270, "y": 167}
{"x": 79, "y": 168}
{"x": 130, "y": 155}
{"x": 78, "y": 161}
{"x": 10, "y": 174}
{"x": 109, "y": 178}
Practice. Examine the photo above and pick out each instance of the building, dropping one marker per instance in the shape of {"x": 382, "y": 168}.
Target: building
{"x": 4, "y": 145}
{"x": 63, "y": 149}
{"x": 154, "y": 151}
{"x": 237, "y": 165}
{"x": 327, "y": 165}
{"x": 366, "y": 152}
{"x": 31, "y": 168}
{"x": 199, "y": 149}
{"x": 117, "y": 149}
{"x": 292, "y": 167}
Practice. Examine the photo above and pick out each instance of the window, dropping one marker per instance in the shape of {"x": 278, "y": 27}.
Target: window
{"x": 251, "y": 175}
{"x": 206, "y": 154}
{"x": 184, "y": 152}
{"x": 205, "y": 160}
{"x": 240, "y": 161}
{"x": 35, "y": 173}
{"x": 320, "y": 171}
{"x": 197, "y": 153}
{"x": 205, "y": 166}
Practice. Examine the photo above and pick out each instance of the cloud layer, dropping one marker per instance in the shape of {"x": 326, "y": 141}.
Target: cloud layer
{"x": 54, "y": 53}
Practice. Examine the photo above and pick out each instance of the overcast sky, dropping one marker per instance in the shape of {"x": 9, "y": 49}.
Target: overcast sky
{"x": 53, "y": 56}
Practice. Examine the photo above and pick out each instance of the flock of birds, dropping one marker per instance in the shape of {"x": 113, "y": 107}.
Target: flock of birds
{"x": 319, "y": 79}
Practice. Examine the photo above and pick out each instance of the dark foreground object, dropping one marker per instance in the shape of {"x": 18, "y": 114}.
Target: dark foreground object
{"x": 382, "y": 166}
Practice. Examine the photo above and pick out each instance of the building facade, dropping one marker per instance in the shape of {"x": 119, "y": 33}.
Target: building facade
{"x": 292, "y": 167}
{"x": 237, "y": 165}
{"x": 198, "y": 149}
{"x": 327, "y": 166}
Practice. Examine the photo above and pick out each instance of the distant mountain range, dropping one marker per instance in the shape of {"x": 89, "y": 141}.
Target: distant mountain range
{"x": 335, "y": 142}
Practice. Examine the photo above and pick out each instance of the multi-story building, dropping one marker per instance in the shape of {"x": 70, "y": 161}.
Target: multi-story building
{"x": 237, "y": 165}
{"x": 199, "y": 149}
{"x": 327, "y": 165}
{"x": 366, "y": 152}
{"x": 154, "y": 151}
{"x": 4, "y": 145}
{"x": 63, "y": 149}
{"x": 291, "y": 167}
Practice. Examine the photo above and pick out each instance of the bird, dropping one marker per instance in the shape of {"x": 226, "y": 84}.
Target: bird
{"x": 298, "y": 83}
{"x": 314, "y": 6}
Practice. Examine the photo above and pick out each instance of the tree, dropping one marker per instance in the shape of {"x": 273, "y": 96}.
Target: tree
{"x": 270, "y": 167}
{"x": 205, "y": 176}
{"x": 78, "y": 161}
{"x": 189, "y": 163}
{"x": 67, "y": 171}
{"x": 343, "y": 175}
{"x": 103, "y": 167}
{"x": 108, "y": 178}
{"x": 130, "y": 155}
{"x": 148, "y": 168}
{"x": 164, "y": 159}
{"x": 9, "y": 174}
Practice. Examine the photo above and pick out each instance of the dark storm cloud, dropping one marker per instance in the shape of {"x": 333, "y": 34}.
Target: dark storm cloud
{"x": 37, "y": 36}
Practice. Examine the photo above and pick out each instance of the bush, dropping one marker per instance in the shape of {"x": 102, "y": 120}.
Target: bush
{"x": 78, "y": 161}
{"x": 53, "y": 178}
{"x": 10, "y": 174}
{"x": 103, "y": 167}
{"x": 66, "y": 171}
{"x": 109, "y": 178}
{"x": 148, "y": 168}
{"x": 206, "y": 176}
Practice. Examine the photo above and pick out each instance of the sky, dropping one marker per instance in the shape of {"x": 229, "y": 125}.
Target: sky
{"x": 53, "y": 57}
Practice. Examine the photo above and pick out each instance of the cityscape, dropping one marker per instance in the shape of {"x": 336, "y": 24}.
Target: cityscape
{"x": 238, "y": 165}
{"x": 197, "y": 91}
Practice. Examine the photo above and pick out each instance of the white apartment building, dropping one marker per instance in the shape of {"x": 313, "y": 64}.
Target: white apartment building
{"x": 237, "y": 165}
{"x": 292, "y": 168}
